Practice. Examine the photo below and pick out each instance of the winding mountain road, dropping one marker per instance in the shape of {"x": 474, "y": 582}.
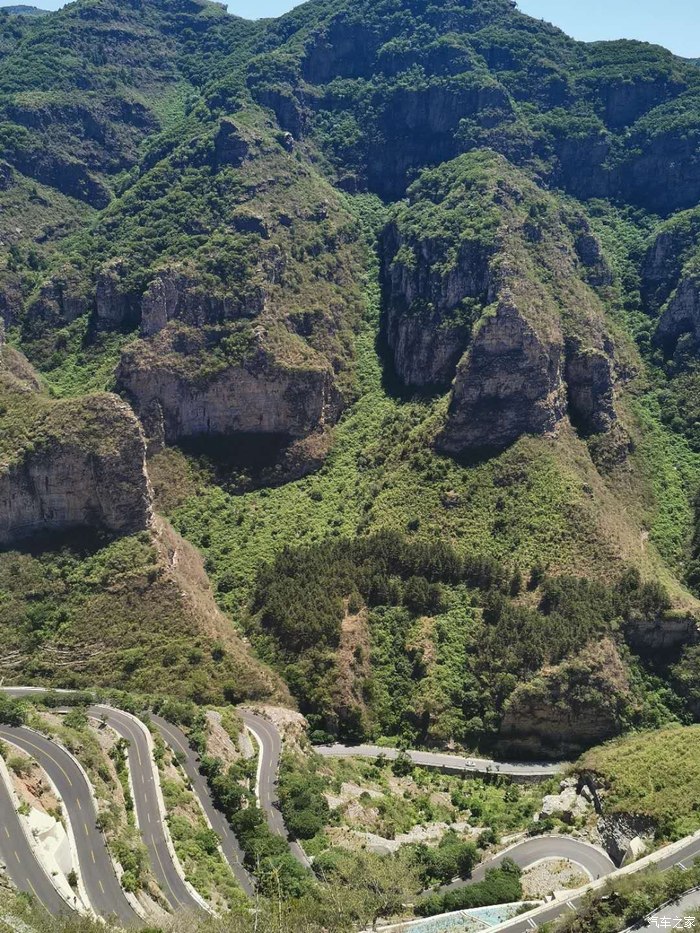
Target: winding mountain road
{"x": 178, "y": 742}
{"x": 269, "y": 740}
{"x": 103, "y": 889}
{"x": 147, "y": 806}
{"x": 594, "y": 861}
{"x": 18, "y": 858}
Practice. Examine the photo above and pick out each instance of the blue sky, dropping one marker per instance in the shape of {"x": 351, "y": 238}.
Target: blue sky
{"x": 673, "y": 23}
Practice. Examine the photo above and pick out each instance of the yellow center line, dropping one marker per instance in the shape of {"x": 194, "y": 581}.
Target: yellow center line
{"x": 42, "y": 751}
{"x": 178, "y": 902}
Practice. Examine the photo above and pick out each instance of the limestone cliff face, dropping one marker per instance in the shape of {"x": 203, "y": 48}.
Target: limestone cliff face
{"x": 426, "y": 326}
{"x": 489, "y": 287}
{"x": 116, "y": 305}
{"x": 508, "y": 384}
{"x": 570, "y": 707}
{"x": 75, "y": 463}
{"x": 681, "y": 314}
{"x": 177, "y": 294}
{"x": 259, "y": 395}
{"x": 590, "y": 381}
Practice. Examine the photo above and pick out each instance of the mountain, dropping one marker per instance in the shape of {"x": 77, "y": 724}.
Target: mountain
{"x": 24, "y": 10}
{"x": 392, "y": 310}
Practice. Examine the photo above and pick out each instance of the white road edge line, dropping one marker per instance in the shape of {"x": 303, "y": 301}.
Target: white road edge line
{"x": 82, "y": 891}
{"x": 258, "y": 776}
{"x": 161, "y": 804}
{"x": 7, "y": 780}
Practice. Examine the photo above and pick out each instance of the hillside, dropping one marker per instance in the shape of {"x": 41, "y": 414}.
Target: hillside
{"x": 392, "y": 272}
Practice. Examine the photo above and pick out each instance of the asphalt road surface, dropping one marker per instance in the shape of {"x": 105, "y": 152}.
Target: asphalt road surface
{"x": 688, "y": 904}
{"x": 270, "y": 742}
{"x": 17, "y": 856}
{"x": 101, "y": 883}
{"x": 594, "y": 861}
{"x": 455, "y": 763}
{"x": 684, "y": 856}
{"x": 233, "y": 853}
{"x": 147, "y": 807}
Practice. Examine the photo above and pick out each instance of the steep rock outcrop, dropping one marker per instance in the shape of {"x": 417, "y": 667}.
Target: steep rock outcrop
{"x": 116, "y": 304}
{"x": 570, "y": 707}
{"x": 177, "y": 293}
{"x": 257, "y": 395}
{"x": 68, "y": 464}
{"x": 487, "y": 285}
{"x": 508, "y": 384}
{"x": 590, "y": 382}
{"x": 230, "y": 146}
{"x": 427, "y": 322}
{"x": 62, "y": 299}
{"x": 681, "y": 314}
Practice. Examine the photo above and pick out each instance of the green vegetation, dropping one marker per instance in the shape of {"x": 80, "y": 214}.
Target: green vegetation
{"x": 103, "y": 758}
{"x": 417, "y": 595}
{"x": 652, "y": 774}
{"x": 115, "y": 616}
{"x": 195, "y": 843}
{"x": 625, "y": 901}
{"x": 501, "y": 886}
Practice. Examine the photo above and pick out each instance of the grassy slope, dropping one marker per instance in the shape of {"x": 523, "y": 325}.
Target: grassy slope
{"x": 136, "y": 614}
{"x": 655, "y": 774}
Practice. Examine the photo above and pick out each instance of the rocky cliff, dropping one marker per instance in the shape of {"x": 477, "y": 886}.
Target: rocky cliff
{"x": 681, "y": 315}
{"x": 69, "y": 464}
{"x": 489, "y": 285}
{"x": 257, "y": 394}
{"x": 570, "y": 707}
{"x": 508, "y": 384}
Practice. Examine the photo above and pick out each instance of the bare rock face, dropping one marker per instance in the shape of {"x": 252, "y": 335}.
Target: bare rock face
{"x": 508, "y": 384}
{"x": 570, "y": 707}
{"x": 61, "y": 300}
{"x": 426, "y": 324}
{"x": 10, "y": 299}
{"x": 77, "y": 463}
{"x": 259, "y": 395}
{"x": 177, "y": 294}
{"x": 681, "y": 314}
{"x": 230, "y": 146}
{"x": 115, "y": 304}
{"x": 487, "y": 288}
{"x": 590, "y": 381}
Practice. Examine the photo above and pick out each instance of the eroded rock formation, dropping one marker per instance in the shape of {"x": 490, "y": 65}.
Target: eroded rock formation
{"x": 508, "y": 384}
{"x": 258, "y": 395}
{"x": 567, "y": 708}
{"x": 488, "y": 287}
{"x": 68, "y": 464}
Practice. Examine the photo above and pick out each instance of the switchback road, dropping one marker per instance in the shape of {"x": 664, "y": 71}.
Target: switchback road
{"x": 177, "y": 740}
{"x": 17, "y": 856}
{"x": 148, "y": 811}
{"x": 101, "y": 883}
{"x": 270, "y": 742}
